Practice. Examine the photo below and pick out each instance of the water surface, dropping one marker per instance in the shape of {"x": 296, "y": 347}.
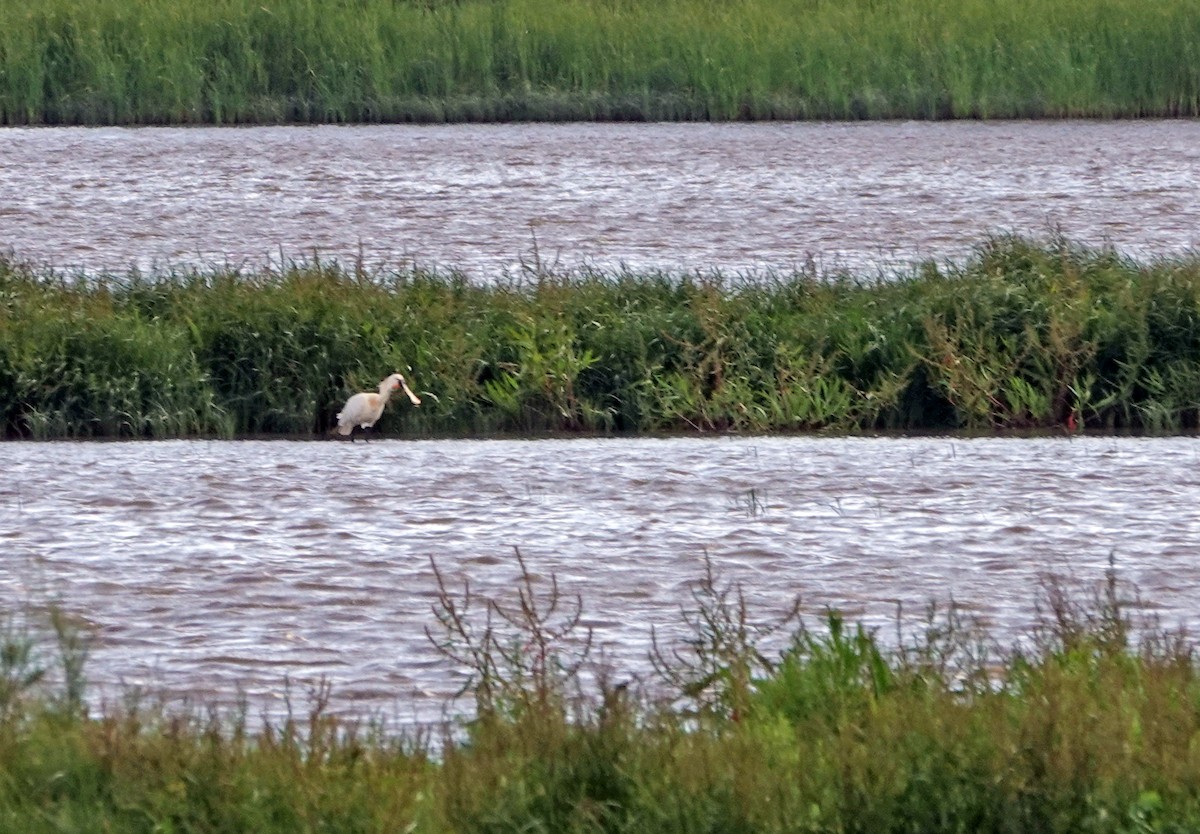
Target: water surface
{"x": 213, "y": 568}
{"x": 682, "y": 197}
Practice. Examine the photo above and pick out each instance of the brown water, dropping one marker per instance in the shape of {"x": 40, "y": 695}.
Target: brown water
{"x": 681, "y": 197}
{"x": 209, "y": 568}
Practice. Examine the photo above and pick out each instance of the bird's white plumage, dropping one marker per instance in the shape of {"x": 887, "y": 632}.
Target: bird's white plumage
{"x": 365, "y": 408}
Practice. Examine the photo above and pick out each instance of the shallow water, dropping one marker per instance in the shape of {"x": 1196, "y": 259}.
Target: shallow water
{"x": 495, "y": 198}
{"x": 213, "y": 568}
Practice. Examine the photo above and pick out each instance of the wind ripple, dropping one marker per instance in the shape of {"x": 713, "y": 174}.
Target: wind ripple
{"x": 210, "y": 569}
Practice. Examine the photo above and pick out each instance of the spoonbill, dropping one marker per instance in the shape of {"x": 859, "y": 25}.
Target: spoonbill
{"x": 365, "y": 408}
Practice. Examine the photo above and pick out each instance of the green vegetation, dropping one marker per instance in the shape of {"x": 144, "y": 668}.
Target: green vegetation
{"x": 1092, "y": 725}
{"x": 237, "y": 61}
{"x": 1023, "y": 335}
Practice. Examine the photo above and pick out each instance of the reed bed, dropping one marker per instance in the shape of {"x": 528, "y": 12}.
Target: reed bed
{"x": 1089, "y": 723}
{"x": 1023, "y": 335}
{"x": 239, "y": 61}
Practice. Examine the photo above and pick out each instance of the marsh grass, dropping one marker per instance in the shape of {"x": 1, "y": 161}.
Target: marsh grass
{"x": 1089, "y": 723}
{"x": 1024, "y": 334}
{"x": 238, "y": 61}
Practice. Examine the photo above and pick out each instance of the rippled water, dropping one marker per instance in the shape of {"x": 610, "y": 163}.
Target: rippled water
{"x": 209, "y": 568}
{"x": 489, "y": 198}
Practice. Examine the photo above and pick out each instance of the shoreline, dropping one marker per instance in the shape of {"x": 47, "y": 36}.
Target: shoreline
{"x": 1024, "y": 335}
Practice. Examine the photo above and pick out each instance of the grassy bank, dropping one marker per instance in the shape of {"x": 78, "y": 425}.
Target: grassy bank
{"x": 1091, "y": 725}
{"x": 1024, "y": 334}
{"x": 237, "y": 61}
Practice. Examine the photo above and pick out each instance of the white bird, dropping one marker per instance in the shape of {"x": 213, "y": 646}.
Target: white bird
{"x": 365, "y": 408}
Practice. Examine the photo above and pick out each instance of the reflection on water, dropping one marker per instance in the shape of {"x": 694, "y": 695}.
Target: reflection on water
{"x": 488, "y": 198}
{"x": 209, "y": 568}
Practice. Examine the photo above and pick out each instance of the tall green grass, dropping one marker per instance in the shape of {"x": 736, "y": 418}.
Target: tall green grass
{"x": 235, "y": 61}
{"x": 1090, "y": 724}
{"x": 1022, "y": 335}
